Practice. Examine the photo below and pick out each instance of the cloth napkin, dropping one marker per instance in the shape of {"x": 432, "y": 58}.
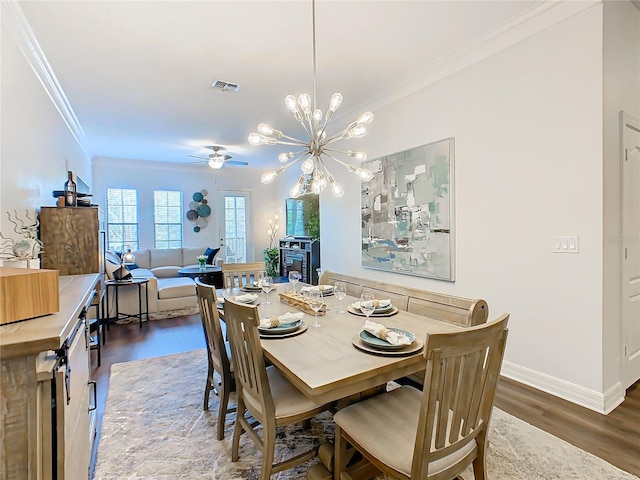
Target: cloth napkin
{"x": 322, "y": 288}
{"x": 383, "y": 333}
{"x": 376, "y": 304}
{"x": 246, "y": 298}
{"x": 284, "y": 319}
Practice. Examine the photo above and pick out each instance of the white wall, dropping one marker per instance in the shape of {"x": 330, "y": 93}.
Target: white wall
{"x": 146, "y": 177}
{"x": 527, "y": 124}
{"x": 36, "y": 147}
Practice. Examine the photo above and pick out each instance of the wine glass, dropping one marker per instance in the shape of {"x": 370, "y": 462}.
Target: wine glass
{"x": 340, "y": 292}
{"x": 294, "y": 276}
{"x": 267, "y": 286}
{"x": 261, "y": 275}
{"x": 366, "y": 304}
{"x": 315, "y": 302}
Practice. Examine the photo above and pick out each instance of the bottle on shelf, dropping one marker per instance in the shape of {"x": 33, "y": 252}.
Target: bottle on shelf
{"x": 70, "y": 191}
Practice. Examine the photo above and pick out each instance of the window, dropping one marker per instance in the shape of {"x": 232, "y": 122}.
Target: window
{"x": 167, "y": 218}
{"x": 122, "y": 219}
{"x": 236, "y": 209}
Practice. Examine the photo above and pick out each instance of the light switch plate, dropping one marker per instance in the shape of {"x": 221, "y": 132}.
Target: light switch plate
{"x": 566, "y": 244}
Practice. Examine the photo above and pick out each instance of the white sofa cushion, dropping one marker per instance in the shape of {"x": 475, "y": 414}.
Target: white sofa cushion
{"x": 176, "y": 287}
{"x": 143, "y": 259}
{"x": 166, "y": 257}
{"x": 189, "y": 255}
{"x": 165, "y": 272}
{"x": 141, "y": 273}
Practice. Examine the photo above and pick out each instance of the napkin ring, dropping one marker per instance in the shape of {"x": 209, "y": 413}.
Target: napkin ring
{"x": 383, "y": 333}
{"x": 274, "y": 322}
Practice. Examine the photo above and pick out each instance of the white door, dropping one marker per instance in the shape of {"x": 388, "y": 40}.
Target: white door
{"x": 631, "y": 248}
{"x": 235, "y": 227}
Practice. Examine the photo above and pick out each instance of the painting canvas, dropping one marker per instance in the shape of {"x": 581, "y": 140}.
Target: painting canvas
{"x": 407, "y": 212}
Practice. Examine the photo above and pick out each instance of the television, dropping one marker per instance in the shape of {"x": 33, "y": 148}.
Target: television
{"x": 303, "y": 216}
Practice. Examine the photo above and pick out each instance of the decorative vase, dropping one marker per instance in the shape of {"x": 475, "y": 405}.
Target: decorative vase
{"x": 203, "y": 266}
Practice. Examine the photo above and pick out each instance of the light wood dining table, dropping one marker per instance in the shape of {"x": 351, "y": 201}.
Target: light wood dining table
{"x": 323, "y": 362}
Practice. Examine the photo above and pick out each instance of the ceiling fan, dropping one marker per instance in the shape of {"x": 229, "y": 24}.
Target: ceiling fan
{"x": 217, "y": 160}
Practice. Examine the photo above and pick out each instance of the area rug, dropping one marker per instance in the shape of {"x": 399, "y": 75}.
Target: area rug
{"x": 154, "y": 428}
{"x": 181, "y": 312}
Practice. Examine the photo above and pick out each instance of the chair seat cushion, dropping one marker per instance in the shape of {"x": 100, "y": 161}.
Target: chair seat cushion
{"x": 288, "y": 400}
{"x": 176, "y": 287}
{"x": 386, "y": 426}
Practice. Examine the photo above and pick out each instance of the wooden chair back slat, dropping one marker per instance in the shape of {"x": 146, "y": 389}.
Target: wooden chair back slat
{"x": 238, "y": 274}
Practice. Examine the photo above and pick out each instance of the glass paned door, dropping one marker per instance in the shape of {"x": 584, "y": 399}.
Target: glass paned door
{"x": 235, "y": 234}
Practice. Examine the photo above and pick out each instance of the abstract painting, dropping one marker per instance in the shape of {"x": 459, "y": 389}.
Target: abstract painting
{"x": 407, "y": 212}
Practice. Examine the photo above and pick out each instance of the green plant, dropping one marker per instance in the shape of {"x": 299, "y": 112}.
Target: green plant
{"x": 272, "y": 261}
{"x": 312, "y": 215}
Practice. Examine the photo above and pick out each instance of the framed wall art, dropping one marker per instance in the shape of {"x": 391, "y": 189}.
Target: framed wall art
{"x": 407, "y": 212}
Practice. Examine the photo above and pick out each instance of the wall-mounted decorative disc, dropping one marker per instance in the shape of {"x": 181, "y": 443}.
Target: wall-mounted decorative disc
{"x": 196, "y": 229}
{"x": 192, "y": 215}
{"x": 204, "y": 210}
{"x": 198, "y": 196}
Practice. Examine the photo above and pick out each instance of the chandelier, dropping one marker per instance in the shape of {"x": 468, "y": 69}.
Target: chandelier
{"x": 317, "y": 148}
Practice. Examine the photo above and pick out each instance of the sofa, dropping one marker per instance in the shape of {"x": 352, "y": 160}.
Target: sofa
{"x": 166, "y": 290}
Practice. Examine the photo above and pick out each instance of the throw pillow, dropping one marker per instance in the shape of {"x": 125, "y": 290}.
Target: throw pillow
{"x": 211, "y": 254}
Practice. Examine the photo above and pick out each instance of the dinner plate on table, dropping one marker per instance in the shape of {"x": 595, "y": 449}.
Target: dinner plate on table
{"x": 325, "y": 291}
{"x": 375, "y": 342}
{"x": 406, "y": 350}
{"x": 280, "y": 329}
{"x": 250, "y": 287}
{"x": 384, "y": 313}
{"x": 272, "y": 335}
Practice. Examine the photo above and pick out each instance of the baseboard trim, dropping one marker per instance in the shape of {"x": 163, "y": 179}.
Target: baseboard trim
{"x": 599, "y": 402}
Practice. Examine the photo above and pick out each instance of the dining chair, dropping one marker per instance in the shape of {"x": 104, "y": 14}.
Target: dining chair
{"x": 263, "y": 392}
{"x": 237, "y": 274}
{"x": 437, "y": 433}
{"x": 218, "y": 354}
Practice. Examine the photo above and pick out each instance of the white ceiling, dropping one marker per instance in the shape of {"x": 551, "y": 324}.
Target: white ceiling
{"x": 138, "y": 74}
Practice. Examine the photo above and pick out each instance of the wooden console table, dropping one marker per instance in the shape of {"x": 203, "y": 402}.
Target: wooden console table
{"x": 45, "y": 361}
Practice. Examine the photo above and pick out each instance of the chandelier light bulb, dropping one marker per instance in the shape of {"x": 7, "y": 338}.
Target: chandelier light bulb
{"x": 337, "y": 190}
{"x": 283, "y": 157}
{"x": 297, "y": 187}
{"x": 366, "y": 117}
{"x": 292, "y": 105}
{"x": 357, "y": 131}
{"x": 317, "y": 115}
{"x": 255, "y": 139}
{"x": 362, "y": 156}
{"x": 336, "y": 100}
{"x": 304, "y": 100}
{"x": 308, "y": 166}
{"x": 269, "y": 176}
{"x": 364, "y": 174}
{"x": 265, "y": 129}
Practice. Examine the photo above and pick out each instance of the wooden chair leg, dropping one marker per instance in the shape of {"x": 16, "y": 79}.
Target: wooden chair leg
{"x": 268, "y": 453}
{"x": 478, "y": 462}
{"x": 207, "y": 389}
{"x": 237, "y": 431}
{"x": 340, "y": 454}
{"x": 222, "y": 411}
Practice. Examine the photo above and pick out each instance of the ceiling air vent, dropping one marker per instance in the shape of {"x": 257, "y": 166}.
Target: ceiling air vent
{"x": 225, "y": 86}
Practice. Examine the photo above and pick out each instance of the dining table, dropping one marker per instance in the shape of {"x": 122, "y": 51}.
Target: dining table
{"x": 330, "y": 362}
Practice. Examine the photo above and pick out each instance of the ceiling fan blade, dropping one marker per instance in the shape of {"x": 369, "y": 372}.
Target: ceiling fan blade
{"x": 236, "y": 162}
{"x": 196, "y": 156}
{"x": 226, "y": 157}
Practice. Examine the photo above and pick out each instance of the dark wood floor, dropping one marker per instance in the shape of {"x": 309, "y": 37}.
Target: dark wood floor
{"x": 614, "y": 437}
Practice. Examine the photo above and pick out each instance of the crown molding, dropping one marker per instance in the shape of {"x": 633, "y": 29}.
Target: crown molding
{"x": 537, "y": 19}
{"x": 30, "y": 48}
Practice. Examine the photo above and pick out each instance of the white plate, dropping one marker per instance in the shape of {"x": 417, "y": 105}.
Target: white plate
{"x": 379, "y": 343}
{"x": 356, "y": 305}
{"x": 286, "y": 328}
